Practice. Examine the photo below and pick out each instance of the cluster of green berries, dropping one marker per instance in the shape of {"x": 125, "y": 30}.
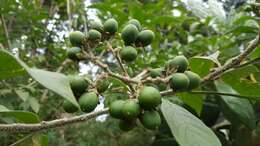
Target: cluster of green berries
{"x": 181, "y": 79}
{"x": 143, "y": 108}
{"x": 88, "y": 100}
{"x": 132, "y": 34}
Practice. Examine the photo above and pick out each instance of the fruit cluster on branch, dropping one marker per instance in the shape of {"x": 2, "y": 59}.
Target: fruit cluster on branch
{"x": 144, "y": 97}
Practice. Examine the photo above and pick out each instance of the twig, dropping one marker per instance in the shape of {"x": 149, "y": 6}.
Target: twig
{"x": 46, "y": 125}
{"x": 69, "y": 14}
{"x": 254, "y": 61}
{"x": 235, "y": 61}
{"x": 225, "y": 94}
{"x": 6, "y": 31}
{"x": 115, "y": 54}
{"x": 22, "y": 139}
{"x": 97, "y": 62}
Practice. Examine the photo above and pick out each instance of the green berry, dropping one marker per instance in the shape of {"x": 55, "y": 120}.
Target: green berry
{"x": 149, "y": 97}
{"x": 136, "y": 23}
{"x": 88, "y": 101}
{"x": 179, "y": 62}
{"x": 76, "y": 38}
{"x": 102, "y": 85}
{"x": 72, "y": 53}
{"x": 179, "y": 81}
{"x": 126, "y": 125}
{"x": 129, "y": 34}
{"x": 194, "y": 79}
{"x": 78, "y": 84}
{"x": 111, "y": 26}
{"x": 150, "y": 119}
{"x": 128, "y": 54}
{"x": 97, "y": 26}
{"x": 69, "y": 107}
{"x": 145, "y": 37}
{"x": 131, "y": 109}
{"x": 94, "y": 35}
{"x": 156, "y": 72}
{"x": 116, "y": 108}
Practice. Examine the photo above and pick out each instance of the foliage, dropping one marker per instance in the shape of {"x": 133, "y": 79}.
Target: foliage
{"x": 35, "y": 72}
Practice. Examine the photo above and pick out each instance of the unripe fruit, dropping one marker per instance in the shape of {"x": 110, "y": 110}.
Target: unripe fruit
{"x": 194, "y": 79}
{"x": 94, "y": 35}
{"x": 149, "y": 97}
{"x": 156, "y": 72}
{"x": 145, "y": 37}
{"x": 78, "y": 84}
{"x": 72, "y": 53}
{"x": 150, "y": 119}
{"x": 76, "y": 38}
{"x": 131, "y": 109}
{"x": 128, "y": 53}
{"x": 69, "y": 107}
{"x": 179, "y": 81}
{"x": 96, "y": 25}
{"x": 111, "y": 26}
{"x": 179, "y": 62}
{"x": 136, "y": 23}
{"x": 115, "y": 109}
{"x": 88, "y": 101}
{"x": 129, "y": 34}
{"x": 126, "y": 125}
{"x": 102, "y": 85}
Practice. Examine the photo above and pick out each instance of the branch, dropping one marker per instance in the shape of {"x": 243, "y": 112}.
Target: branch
{"x": 117, "y": 58}
{"x": 6, "y": 31}
{"x": 97, "y": 62}
{"x": 234, "y": 62}
{"x": 225, "y": 94}
{"x": 46, "y": 125}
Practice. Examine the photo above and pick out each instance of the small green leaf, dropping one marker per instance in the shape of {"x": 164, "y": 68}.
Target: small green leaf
{"x": 186, "y": 128}
{"x": 21, "y": 116}
{"x": 9, "y": 67}
{"x": 239, "y": 107}
{"x": 201, "y": 65}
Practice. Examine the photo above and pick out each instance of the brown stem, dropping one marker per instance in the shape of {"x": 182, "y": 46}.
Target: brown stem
{"x": 46, "y": 125}
{"x": 6, "y": 31}
{"x": 234, "y": 62}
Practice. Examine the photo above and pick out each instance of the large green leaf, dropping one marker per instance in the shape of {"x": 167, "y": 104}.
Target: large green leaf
{"x": 239, "y": 107}
{"x": 21, "y": 116}
{"x": 186, "y": 128}
{"x": 54, "y": 81}
{"x": 9, "y": 67}
{"x": 201, "y": 65}
{"x": 237, "y": 79}
{"x": 193, "y": 100}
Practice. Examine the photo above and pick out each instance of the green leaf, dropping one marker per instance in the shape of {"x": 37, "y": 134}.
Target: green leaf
{"x": 21, "y": 116}
{"x": 242, "y": 29}
{"x": 34, "y": 104}
{"x": 54, "y": 81}
{"x": 237, "y": 79}
{"x": 239, "y": 107}
{"x": 9, "y": 67}
{"x": 201, "y": 65}
{"x": 186, "y": 128}
{"x": 192, "y": 100}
